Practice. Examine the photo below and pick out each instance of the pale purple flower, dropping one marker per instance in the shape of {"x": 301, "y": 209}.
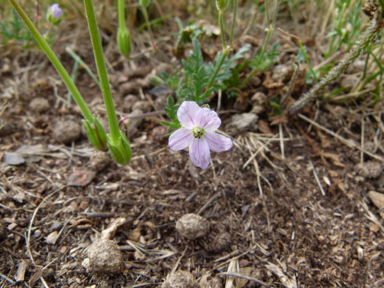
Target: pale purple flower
{"x": 56, "y": 10}
{"x": 198, "y": 132}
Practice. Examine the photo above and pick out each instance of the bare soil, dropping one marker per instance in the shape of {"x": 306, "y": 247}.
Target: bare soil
{"x": 298, "y": 218}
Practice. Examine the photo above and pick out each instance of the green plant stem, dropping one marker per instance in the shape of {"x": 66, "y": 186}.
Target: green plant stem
{"x": 313, "y": 73}
{"x": 121, "y": 13}
{"x": 235, "y": 4}
{"x": 102, "y": 71}
{"x": 222, "y": 32}
{"x": 218, "y": 66}
{"x": 55, "y": 62}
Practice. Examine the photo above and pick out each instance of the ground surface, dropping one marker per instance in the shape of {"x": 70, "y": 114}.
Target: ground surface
{"x": 270, "y": 219}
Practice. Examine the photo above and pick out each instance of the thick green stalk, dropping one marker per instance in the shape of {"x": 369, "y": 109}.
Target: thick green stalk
{"x": 121, "y": 13}
{"x": 55, "y": 62}
{"x": 102, "y": 71}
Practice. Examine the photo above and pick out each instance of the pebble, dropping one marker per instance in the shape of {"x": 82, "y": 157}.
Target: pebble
{"x": 180, "y": 279}
{"x": 144, "y": 106}
{"x": 369, "y": 169}
{"x": 192, "y": 226}
{"x": 259, "y": 102}
{"x": 243, "y": 122}
{"x": 39, "y": 105}
{"x": 67, "y": 132}
{"x": 99, "y": 160}
{"x": 128, "y": 102}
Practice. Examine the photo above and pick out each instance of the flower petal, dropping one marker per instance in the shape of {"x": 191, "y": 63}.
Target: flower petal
{"x": 217, "y": 142}
{"x": 187, "y": 113}
{"x": 180, "y": 139}
{"x": 207, "y": 119}
{"x": 199, "y": 152}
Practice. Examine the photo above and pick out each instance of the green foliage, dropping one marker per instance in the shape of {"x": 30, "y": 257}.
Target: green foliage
{"x": 347, "y": 26}
{"x": 14, "y": 30}
{"x": 171, "y": 111}
{"x": 193, "y": 81}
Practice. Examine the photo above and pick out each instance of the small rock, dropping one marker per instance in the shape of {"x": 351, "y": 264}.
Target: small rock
{"x": 128, "y": 103}
{"x": 13, "y": 158}
{"x": 158, "y": 134}
{"x": 104, "y": 257}
{"x": 369, "y": 169}
{"x": 56, "y": 225}
{"x": 377, "y": 199}
{"x": 192, "y": 226}
{"x": 221, "y": 242}
{"x": 259, "y": 102}
{"x": 39, "y": 105}
{"x": 37, "y": 234}
{"x": 144, "y": 106}
{"x": 180, "y": 279}
{"x": 244, "y": 122}
{"x": 99, "y": 160}
{"x": 280, "y": 73}
{"x": 67, "y": 132}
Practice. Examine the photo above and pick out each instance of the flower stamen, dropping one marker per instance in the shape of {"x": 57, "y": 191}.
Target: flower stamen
{"x": 197, "y": 132}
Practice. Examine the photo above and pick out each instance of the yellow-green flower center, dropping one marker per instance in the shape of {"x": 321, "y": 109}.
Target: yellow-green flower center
{"x": 197, "y": 132}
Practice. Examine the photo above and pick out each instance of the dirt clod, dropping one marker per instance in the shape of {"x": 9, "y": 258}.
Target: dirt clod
{"x": 180, "y": 279}
{"x": 99, "y": 160}
{"x": 259, "y": 102}
{"x": 39, "y": 105}
{"x": 221, "y": 242}
{"x": 369, "y": 169}
{"x": 192, "y": 226}
{"x": 243, "y": 122}
{"x": 67, "y": 132}
{"x": 128, "y": 103}
{"x": 104, "y": 257}
{"x": 144, "y": 106}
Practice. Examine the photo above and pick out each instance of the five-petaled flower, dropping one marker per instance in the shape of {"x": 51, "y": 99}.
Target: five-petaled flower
{"x": 198, "y": 132}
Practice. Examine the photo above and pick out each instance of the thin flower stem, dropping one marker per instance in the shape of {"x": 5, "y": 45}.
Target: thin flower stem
{"x": 236, "y": 3}
{"x": 102, "y": 70}
{"x": 55, "y": 62}
{"x": 218, "y": 66}
{"x": 222, "y": 32}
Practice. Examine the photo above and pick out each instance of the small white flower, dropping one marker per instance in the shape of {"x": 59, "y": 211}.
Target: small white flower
{"x": 198, "y": 132}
